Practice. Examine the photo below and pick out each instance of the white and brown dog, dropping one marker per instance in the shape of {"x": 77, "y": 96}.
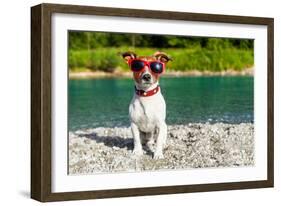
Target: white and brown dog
{"x": 147, "y": 109}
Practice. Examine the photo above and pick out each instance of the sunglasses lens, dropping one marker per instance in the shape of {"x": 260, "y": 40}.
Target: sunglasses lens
{"x": 156, "y": 67}
{"x": 137, "y": 65}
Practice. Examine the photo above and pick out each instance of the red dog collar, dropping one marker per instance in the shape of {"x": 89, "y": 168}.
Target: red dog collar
{"x": 147, "y": 93}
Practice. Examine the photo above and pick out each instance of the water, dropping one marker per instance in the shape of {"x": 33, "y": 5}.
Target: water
{"x": 105, "y": 102}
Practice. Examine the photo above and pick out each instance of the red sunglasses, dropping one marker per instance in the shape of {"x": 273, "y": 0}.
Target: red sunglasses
{"x": 138, "y": 65}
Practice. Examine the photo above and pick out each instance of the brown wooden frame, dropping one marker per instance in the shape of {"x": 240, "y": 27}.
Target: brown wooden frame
{"x": 41, "y": 101}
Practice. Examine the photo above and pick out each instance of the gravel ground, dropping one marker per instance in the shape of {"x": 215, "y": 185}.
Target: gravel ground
{"x": 104, "y": 150}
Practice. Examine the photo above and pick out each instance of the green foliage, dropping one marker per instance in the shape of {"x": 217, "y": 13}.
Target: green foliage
{"x": 107, "y": 59}
{"x": 91, "y": 40}
{"x": 218, "y": 44}
{"x": 103, "y": 59}
{"x": 99, "y": 51}
{"x": 211, "y": 60}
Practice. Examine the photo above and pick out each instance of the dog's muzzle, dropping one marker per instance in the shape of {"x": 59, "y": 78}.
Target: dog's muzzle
{"x": 146, "y": 77}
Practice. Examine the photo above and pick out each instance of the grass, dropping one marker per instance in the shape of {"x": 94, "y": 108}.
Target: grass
{"x": 201, "y": 59}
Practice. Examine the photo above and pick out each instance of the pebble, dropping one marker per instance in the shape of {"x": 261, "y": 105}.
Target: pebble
{"x": 106, "y": 150}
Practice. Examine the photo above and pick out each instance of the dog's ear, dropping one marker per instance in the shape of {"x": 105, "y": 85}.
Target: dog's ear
{"x": 161, "y": 56}
{"x": 128, "y": 55}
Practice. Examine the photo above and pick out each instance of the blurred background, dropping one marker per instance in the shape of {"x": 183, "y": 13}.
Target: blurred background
{"x": 98, "y": 51}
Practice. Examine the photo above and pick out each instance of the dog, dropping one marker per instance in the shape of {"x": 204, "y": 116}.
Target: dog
{"x": 147, "y": 110}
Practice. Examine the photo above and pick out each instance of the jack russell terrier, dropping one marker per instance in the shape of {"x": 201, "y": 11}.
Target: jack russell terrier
{"x": 147, "y": 109}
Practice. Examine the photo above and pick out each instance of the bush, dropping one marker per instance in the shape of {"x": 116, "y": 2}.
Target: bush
{"x": 212, "y": 58}
{"x": 104, "y": 60}
{"x": 99, "y": 59}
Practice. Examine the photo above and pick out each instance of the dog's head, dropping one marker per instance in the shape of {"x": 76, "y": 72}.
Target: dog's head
{"x": 146, "y": 69}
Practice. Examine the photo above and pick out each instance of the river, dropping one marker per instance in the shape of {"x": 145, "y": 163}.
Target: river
{"x": 105, "y": 102}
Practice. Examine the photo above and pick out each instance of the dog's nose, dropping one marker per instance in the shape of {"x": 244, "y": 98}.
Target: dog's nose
{"x": 146, "y": 77}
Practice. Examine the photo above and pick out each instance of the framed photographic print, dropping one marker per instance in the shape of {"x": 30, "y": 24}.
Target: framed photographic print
{"x": 130, "y": 102}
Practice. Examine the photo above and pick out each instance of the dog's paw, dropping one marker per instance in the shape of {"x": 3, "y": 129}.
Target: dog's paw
{"x": 137, "y": 152}
{"x": 158, "y": 155}
{"x": 150, "y": 145}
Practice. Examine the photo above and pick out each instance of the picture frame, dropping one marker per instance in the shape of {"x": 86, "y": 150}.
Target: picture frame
{"x": 42, "y": 88}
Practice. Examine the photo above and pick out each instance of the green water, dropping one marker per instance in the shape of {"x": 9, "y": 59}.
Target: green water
{"x": 105, "y": 102}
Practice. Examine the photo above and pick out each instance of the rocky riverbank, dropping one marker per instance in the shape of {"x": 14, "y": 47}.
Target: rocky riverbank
{"x": 128, "y": 74}
{"x": 103, "y": 150}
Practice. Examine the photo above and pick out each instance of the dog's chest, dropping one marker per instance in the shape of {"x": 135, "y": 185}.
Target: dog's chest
{"x": 147, "y": 113}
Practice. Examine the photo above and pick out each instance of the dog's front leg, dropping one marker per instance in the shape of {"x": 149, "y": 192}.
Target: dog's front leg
{"x": 160, "y": 141}
{"x": 137, "y": 141}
